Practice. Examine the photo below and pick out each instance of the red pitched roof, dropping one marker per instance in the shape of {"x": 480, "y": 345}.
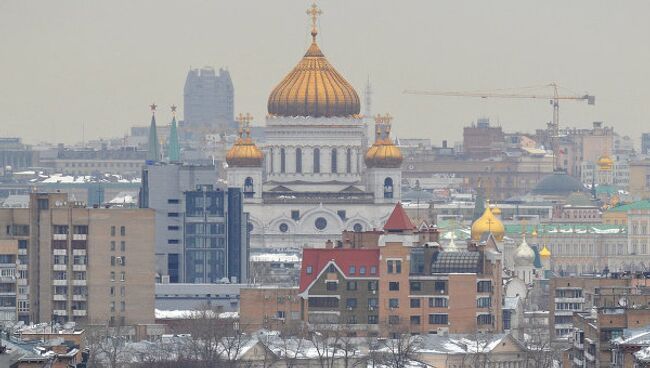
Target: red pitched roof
{"x": 317, "y": 259}
{"x": 398, "y": 220}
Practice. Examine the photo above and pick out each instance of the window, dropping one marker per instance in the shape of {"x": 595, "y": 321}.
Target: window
{"x": 331, "y": 286}
{"x": 352, "y": 285}
{"x": 484, "y": 286}
{"x": 173, "y": 228}
{"x": 352, "y": 320}
{"x": 393, "y": 320}
{"x": 316, "y": 160}
{"x": 352, "y": 270}
{"x": 373, "y": 270}
{"x": 122, "y": 291}
{"x": 484, "y": 319}
{"x": 416, "y": 286}
{"x": 111, "y": 291}
{"x": 172, "y": 214}
{"x": 415, "y": 303}
{"x": 122, "y": 230}
{"x": 372, "y": 285}
{"x": 122, "y": 306}
{"x": 122, "y": 276}
{"x": 334, "y": 161}
{"x": 373, "y": 303}
{"x": 283, "y": 160}
{"x": 112, "y": 275}
{"x": 417, "y": 261}
{"x": 362, "y": 270}
{"x": 348, "y": 161}
{"x": 393, "y": 286}
{"x": 389, "y": 266}
{"x": 438, "y": 319}
{"x": 295, "y": 215}
{"x": 298, "y": 160}
{"x": 393, "y": 303}
{"x": 415, "y": 320}
{"x": 112, "y": 305}
{"x": 112, "y": 230}
{"x": 320, "y": 223}
{"x": 373, "y": 320}
{"x": 122, "y": 245}
{"x": 440, "y": 287}
{"x": 351, "y": 303}
{"x": 388, "y": 188}
{"x": 249, "y": 190}
{"x": 342, "y": 214}
{"x": 112, "y": 260}
{"x": 484, "y": 302}
{"x": 172, "y": 201}
{"x": 323, "y": 302}
{"x": 173, "y": 241}
{"x": 438, "y": 302}
{"x": 357, "y": 228}
{"x": 112, "y": 245}
{"x": 309, "y": 270}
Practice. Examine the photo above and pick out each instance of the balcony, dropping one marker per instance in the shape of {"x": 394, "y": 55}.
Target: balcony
{"x": 21, "y": 282}
{"x": 569, "y": 300}
{"x": 79, "y": 236}
{"x": 578, "y": 345}
{"x": 60, "y": 252}
{"x": 79, "y": 282}
{"x": 79, "y": 313}
{"x": 7, "y": 279}
{"x": 80, "y": 298}
{"x": 21, "y": 267}
{"x": 60, "y": 297}
{"x": 59, "y": 282}
{"x": 59, "y": 312}
{"x": 59, "y": 267}
{"x": 22, "y": 252}
{"x": 8, "y": 293}
{"x": 59, "y": 236}
{"x": 80, "y": 267}
{"x": 79, "y": 252}
{"x": 22, "y": 297}
{"x": 7, "y": 265}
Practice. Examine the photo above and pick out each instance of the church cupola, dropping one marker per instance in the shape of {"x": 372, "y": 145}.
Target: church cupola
{"x": 244, "y": 153}
{"x": 383, "y": 153}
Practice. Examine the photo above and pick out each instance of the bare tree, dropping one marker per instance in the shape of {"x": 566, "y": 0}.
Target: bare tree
{"x": 290, "y": 345}
{"x": 107, "y": 346}
{"x": 400, "y": 348}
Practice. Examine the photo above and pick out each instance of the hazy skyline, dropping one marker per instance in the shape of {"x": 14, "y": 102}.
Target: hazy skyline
{"x": 100, "y": 64}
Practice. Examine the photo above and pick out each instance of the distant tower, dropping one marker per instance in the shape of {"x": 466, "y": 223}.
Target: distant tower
{"x": 209, "y": 99}
{"x": 153, "y": 153}
{"x": 383, "y": 160}
{"x": 245, "y": 163}
{"x": 173, "y": 148}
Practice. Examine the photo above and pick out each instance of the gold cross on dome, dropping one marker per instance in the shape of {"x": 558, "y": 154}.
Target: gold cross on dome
{"x": 173, "y": 108}
{"x": 153, "y": 107}
{"x": 314, "y": 11}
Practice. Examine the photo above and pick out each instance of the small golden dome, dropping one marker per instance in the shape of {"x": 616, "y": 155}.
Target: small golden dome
{"x": 544, "y": 253}
{"x": 496, "y": 211}
{"x": 244, "y": 153}
{"x": 487, "y": 223}
{"x": 534, "y": 233}
{"x": 383, "y": 153}
{"x": 605, "y": 163}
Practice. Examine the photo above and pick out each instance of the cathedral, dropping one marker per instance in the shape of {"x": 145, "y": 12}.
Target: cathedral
{"x": 318, "y": 174}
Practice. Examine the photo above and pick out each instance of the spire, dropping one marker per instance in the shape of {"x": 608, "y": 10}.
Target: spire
{"x": 398, "y": 221}
{"x": 153, "y": 153}
{"x": 173, "y": 148}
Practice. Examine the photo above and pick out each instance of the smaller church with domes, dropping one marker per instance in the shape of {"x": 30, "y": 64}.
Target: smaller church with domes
{"x": 318, "y": 174}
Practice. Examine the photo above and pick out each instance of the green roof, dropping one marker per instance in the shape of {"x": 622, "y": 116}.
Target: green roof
{"x": 606, "y": 189}
{"x": 639, "y": 205}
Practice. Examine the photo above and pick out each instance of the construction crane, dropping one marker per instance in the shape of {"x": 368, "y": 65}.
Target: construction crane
{"x": 554, "y": 98}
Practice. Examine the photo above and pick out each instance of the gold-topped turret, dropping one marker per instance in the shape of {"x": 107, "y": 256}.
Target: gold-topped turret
{"x": 488, "y": 223}
{"x": 605, "y": 163}
{"x": 314, "y": 88}
{"x": 244, "y": 153}
{"x": 383, "y": 153}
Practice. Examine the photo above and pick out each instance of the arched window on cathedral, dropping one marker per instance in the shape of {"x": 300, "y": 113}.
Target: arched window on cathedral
{"x": 316, "y": 160}
{"x": 348, "y": 161}
{"x": 334, "y": 163}
{"x": 248, "y": 188}
{"x": 388, "y": 188}
{"x": 283, "y": 161}
{"x": 298, "y": 160}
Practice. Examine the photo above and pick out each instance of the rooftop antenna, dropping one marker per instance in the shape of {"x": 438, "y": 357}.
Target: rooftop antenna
{"x": 368, "y": 98}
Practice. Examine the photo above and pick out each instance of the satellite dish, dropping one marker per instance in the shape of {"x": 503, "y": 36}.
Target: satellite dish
{"x": 622, "y": 302}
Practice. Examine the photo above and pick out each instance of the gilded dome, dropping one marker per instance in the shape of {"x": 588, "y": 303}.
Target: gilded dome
{"x": 524, "y": 254}
{"x": 496, "y": 211}
{"x": 244, "y": 153}
{"x": 314, "y": 88}
{"x": 383, "y": 153}
{"x": 545, "y": 253}
{"x": 605, "y": 163}
{"x": 488, "y": 223}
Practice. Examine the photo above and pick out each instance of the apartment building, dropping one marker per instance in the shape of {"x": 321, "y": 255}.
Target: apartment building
{"x": 8, "y": 263}
{"x": 406, "y": 282}
{"x": 269, "y": 307}
{"x": 615, "y": 309}
{"x": 73, "y": 263}
{"x": 570, "y": 295}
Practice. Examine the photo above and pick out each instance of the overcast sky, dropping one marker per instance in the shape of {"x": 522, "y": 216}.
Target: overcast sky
{"x": 64, "y": 64}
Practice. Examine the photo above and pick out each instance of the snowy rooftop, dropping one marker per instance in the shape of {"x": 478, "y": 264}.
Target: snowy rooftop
{"x": 275, "y": 257}
{"x": 185, "y": 314}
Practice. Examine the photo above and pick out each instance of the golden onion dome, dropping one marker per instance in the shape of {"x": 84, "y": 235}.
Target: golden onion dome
{"x": 384, "y": 153}
{"x": 605, "y": 163}
{"x": 545, "y": 253}
{"x": 244, "y": 153}
{"x": 496, "y": 211}
{"x": 488, "y": 223}
{"x": 314, "y": 88}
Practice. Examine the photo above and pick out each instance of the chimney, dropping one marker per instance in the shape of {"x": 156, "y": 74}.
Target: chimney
{"x": 444, "y": 143}
{"x": 329, "y": 244}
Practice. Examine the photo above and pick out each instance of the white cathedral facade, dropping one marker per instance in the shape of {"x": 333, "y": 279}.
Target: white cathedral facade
{"x": 317, "y": 174}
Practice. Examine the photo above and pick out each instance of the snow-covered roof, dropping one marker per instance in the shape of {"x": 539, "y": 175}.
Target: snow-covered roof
{"x": 275, "y": 257}
{"x": 185, "y": 314}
